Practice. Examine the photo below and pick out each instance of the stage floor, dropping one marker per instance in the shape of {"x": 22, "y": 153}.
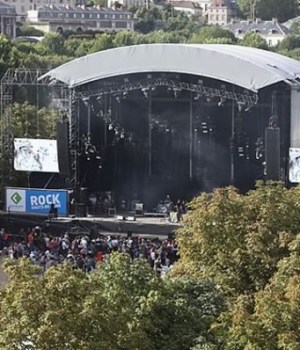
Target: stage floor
{"x": 141, "y": 224}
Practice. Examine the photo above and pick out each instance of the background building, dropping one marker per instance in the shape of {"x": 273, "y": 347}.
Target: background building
{"x": 220, "y": 12}
{"x": 191, "y": 8}
{"x": 272, "y": 31}
{"x": 22, "y": 6}
{"x": 79, "y": 19}
{"x": 8, "y": 20}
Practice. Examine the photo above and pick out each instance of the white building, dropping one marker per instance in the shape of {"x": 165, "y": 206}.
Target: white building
{"x": 191, "y": 8}
{"x": 8, "y": 20}
{"x": 127, "y": 3}
{"x": 220, "y": 12}
{"x": 79, "y": 19}
{"x": 22, "y": 6}
{"x": 272, "y": 31}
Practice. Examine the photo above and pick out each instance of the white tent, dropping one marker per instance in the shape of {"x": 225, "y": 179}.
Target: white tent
{"x": 246, "y": 67}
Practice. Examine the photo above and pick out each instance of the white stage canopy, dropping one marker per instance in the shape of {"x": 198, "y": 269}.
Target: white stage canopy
{"x": 247, "y": 67}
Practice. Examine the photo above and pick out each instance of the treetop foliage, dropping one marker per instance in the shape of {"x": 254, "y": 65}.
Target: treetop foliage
{"x": 123, "y": 305}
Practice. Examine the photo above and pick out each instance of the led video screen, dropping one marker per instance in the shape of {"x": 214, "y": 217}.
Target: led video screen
{"x": 294, "y": 165}
{"x": 35, "y": 155}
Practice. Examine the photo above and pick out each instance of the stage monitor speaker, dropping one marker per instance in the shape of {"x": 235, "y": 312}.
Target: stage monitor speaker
{"x": 62, "y": 136}
{"x": 272, "y": 153}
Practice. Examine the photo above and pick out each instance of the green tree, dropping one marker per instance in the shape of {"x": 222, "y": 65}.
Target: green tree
{"x": 122, "y": 305}
{"x": 238, "y": 240}
{"x": 254, "y": 40}
{"x": 52, "y": 44}
{"x": 290, "y": 42}
{"x": 269, "y": 320}
{"x": 207, "y": 33}
{"x": 280, "y": 9}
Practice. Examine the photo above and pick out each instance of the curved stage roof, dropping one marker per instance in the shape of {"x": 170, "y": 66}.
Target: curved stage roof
{"x": 246, "y": 67}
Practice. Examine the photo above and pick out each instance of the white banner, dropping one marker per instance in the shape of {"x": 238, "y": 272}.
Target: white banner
{"x": 36, "y": 155}
{"x": 294, "y": 165}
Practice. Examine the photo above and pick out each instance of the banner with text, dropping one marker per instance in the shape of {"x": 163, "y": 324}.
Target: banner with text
{"x": 36, "y": 201}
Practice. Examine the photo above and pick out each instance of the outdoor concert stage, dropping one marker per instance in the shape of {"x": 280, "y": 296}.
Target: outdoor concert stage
{"x": 146, "y": 121}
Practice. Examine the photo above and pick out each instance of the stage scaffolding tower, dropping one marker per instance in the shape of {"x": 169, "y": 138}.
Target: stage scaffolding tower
{"x": 12, "y": 80}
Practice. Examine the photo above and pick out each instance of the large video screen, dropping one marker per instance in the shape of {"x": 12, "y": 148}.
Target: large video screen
{"x": 36, "y": 155}
{"x": 294, "y": 165}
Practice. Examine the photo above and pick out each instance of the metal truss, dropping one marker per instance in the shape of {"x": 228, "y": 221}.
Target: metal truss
{"x": 247, "y": 98}
{"x": 14, "y": 79}
{"x": 74, "y": 140}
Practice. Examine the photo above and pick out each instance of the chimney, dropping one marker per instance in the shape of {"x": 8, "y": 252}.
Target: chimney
{"x": 274, "y": 20}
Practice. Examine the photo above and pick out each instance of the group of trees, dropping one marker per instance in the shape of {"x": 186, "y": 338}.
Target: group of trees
{"x": 268, "y": 9}
{"x": 122, "y": 305}
{"x": 236, "y": 286}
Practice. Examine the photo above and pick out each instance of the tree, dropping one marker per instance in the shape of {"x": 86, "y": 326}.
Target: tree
{"x": 52, "y": 44}
{"x": 290, "y": 42}
{"x": 122, "y": 305}
{"x": 269, "y": 320}
{"x": 254, "y": 40}
{"x": 238, "y": 240}
{"x": 280, "y": 9}
{"x": 207, "y": 33}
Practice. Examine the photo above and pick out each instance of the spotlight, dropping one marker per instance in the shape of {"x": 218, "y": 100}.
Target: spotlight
{"x": 176, "y": 91}
{"x": 240, "y": 105}
{"x": 88, "y": 158}
{"x": 98, "y": 157}
{"x": 222, "y": 101}
{"x": 197, "y": 97}
{"x": 145, "y": 92}
{"x": 122, "y": 136}
{"x": 118, "y": 99}
{"x": 110, "y": 127}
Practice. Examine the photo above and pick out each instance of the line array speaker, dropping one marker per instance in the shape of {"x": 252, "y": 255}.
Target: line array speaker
{"x": 272, "y": 153}
{"x": 62, "y": 136}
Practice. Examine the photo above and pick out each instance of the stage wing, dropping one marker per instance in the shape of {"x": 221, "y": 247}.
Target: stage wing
{"x": 294, "y": 165}
{"x": 35, "y": 155}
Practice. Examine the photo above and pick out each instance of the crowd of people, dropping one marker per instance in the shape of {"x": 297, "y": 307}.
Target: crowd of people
{"x": 86, "y": 252}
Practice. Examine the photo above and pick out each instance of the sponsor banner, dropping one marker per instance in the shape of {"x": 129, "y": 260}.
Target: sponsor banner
{"x": 36, "y": 201}
{"x": 35, "y": 155}
{"x": 294, "y": 165}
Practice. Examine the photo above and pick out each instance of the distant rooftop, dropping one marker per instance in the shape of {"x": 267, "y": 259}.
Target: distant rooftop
{"x": 258, "y": 26}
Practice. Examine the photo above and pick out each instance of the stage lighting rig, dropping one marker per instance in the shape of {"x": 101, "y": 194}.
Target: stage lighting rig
{"x": 145, "y": 91}
{"x": 176, "y": 92}
{"x": 222, "y": 102}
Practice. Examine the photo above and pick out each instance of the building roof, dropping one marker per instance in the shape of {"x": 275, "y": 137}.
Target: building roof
{"x": 258, "y": 26}
{"x": 94, "y": 9}
{"x": 246, "y": 67}
{"x": 186, "y": 4}
{"x": 291, "y": 21}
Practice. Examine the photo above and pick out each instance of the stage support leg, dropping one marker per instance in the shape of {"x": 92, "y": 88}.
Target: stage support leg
{"x": 232, "y": 150}
{"x": 295, "y": 118}
{"x": 150, "y": 133}
{"x": 191, "y": 137}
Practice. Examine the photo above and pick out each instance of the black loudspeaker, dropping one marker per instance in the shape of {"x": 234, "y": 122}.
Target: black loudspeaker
{"x": 62, "y": 136}
{"x": 272, "y": 153}
{"x": 80, "y": 210}
{"x": 83, "y": 196}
